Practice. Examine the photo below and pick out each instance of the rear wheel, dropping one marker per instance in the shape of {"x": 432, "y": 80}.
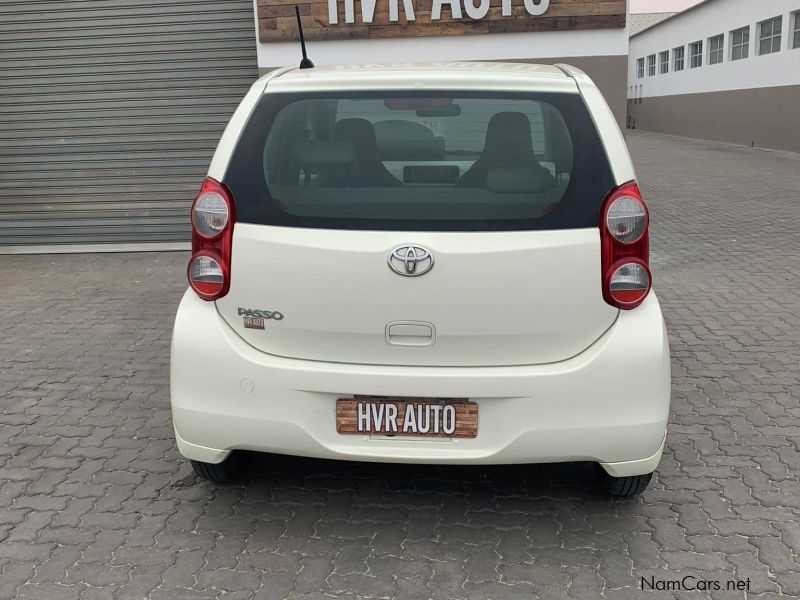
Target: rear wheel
{"x": 224, "y": 472}
{"x": 626, "y": 487}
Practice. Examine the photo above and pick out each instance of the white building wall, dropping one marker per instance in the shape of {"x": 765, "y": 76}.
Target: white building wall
{"x": 540, "y": 44}
{"x": 712, "y": 18}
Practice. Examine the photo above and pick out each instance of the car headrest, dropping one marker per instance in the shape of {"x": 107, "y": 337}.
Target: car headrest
{"x": 508, "y": 138}
{"x": 361, "y": 133}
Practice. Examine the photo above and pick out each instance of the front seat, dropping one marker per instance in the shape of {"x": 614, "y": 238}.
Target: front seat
{"x": 508, "y": 146}
{"x": 366, "y": 169}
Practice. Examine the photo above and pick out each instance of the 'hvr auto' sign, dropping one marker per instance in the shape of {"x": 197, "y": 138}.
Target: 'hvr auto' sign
{"x": 474, "y": 9}
{"x": 356, "y": 19}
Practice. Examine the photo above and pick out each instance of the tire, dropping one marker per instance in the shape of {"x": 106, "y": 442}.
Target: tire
{"x": 224, "y": 472}
{"x": 627, "y": 487}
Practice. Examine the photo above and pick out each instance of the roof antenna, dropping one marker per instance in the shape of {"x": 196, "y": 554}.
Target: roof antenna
{"x": 306, "y": 62}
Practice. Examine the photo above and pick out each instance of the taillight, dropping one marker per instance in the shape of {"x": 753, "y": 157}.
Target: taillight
{"x": 207, "y": 276}
{"x": 210, "y": 215}
{"x": 212, "y": 235}
{"x": 629, "y": 283}
{"x": 626, "y": 219}
{"x": 625, "y": 247}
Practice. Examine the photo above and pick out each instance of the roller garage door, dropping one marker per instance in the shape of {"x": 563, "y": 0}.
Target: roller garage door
{"x": 109, "y": 114}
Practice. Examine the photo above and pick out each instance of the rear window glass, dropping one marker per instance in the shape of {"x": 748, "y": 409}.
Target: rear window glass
{"x": 447, "y": 161}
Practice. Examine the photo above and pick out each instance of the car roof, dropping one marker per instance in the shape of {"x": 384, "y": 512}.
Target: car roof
{"x": 484, "y": 76}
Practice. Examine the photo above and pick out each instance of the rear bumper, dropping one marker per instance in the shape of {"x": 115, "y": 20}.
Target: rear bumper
{"x": 609, "y": 404}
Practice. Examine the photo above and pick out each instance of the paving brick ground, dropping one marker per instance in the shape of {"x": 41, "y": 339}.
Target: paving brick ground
{"x": 95, "y": 502}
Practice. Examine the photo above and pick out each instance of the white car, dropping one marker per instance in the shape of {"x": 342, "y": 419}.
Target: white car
{"x": 422, "y": 263}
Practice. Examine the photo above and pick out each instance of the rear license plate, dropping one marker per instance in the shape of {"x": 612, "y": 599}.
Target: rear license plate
{"x": 430, "y": 417}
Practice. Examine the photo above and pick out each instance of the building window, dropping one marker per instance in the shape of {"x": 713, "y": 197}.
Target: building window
{"x": 696, "y": 55}
{"x": 769, "y": 36}
{"x": 640, "y": 67}
{"x": 740, "y": 43}
{"x": 663, "y": 62}
{"x": 651, "y": 65}
{"x": 716, "y": 49}
{"x": 796, "y": 41}
{"x": 677, "y": 58}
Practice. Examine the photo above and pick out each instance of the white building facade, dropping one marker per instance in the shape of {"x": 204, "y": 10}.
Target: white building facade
{"x": 726, "y": 70}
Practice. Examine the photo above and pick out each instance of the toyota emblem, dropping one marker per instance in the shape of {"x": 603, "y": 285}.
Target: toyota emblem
{"x": 410, "y": 261}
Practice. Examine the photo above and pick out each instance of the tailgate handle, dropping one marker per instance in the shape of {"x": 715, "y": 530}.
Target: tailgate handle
{"x": 410, "y": 333}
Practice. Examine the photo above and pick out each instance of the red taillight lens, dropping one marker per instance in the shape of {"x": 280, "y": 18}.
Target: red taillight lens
{"x": 625, "y": 247}
{"x": 212, "y": 235}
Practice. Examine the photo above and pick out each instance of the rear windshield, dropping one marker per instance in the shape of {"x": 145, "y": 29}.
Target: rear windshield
{"x": 445, "y": 161}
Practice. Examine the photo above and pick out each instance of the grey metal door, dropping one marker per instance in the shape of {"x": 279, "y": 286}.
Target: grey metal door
{"x": 109, "y": 114}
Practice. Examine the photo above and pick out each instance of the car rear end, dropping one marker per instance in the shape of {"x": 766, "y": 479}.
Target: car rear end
{"x": 443, "y": 264}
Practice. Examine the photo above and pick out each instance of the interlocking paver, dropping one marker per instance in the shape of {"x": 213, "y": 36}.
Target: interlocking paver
{"x": 95, "y": 501}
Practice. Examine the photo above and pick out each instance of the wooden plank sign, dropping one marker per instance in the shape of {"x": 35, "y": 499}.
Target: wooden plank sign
{"x": 358, "y": 19}
{"x": 426, "y": 417}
